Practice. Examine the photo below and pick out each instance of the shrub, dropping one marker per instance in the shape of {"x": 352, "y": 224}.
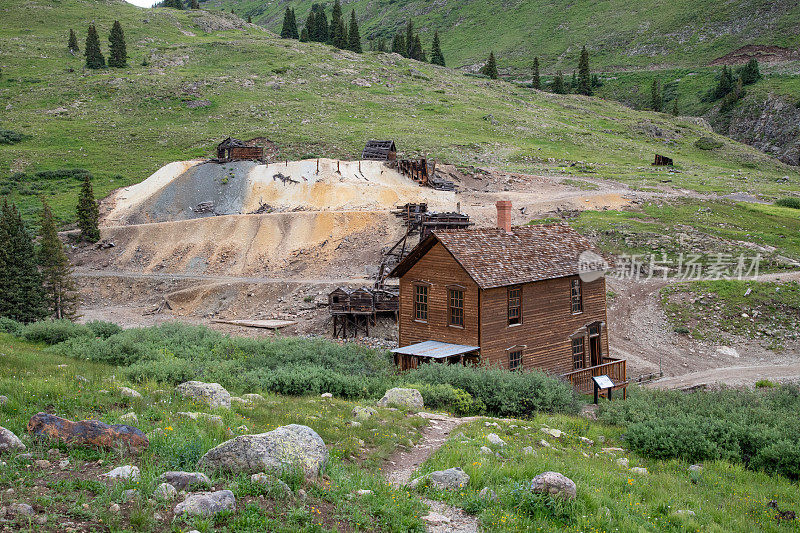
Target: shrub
{"x": 764, "y": 384}
{"x": 542, "y": 506}
{"x": 11, "y": 326}
{"x": 781, "y": 457}
{"x": 794, "y": 203}
{"x": 445, "y": 396}
{"x": 681, "y": 330}
{"x": 54, "y": 331}
{"x": 708, "y": 143}
{"x": 103, "y": 329}
{"x": 11, "y": 137}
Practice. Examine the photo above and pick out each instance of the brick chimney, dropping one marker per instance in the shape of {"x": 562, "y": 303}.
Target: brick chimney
{"x": 504, "y": 215}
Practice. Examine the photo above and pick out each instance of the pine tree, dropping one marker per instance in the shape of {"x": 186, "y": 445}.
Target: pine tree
{"x": 338, "y": 33}
{"x": 59, "y": 288}
{"x": 416, "y": 51}
{"x": 584, "y": 74}
{"x": 304, "y": 36}
{"x": 72, "y": 44}
{"x": 249, "y": 19}
{"x": 656, "y": 96}
{"x": 725, "y": 84}
{"x": 409, "y": 40}
{"x": 354, "y": 36}
{"x": 94, "y": 57}
{"x": 573, "y": 84}
{"x": 437, "y": 57}
{"x": 558, "y": 83}
{"x": 118, "y": 51}
{"x": 293, "y": 27}
{"x": 321, "y": 21}
{"x": 286, "y": 29}
{"x": 750, "y": 73}
{"x": 675, "y": 111}
{"x": 399, "y": 44}
{"x": 87, "y": 212}
{"x": 21, "y": 293}
{"x": 310, "y": 28}
{"x": 536, "y": 83}
{"x": 490, "y": 68}
{"x": 194, "y": 4}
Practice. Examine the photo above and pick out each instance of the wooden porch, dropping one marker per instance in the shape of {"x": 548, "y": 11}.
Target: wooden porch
{"x": 613, "y": 368}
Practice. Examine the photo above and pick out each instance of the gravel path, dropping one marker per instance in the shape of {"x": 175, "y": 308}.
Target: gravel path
{"x": 401, "y": 465}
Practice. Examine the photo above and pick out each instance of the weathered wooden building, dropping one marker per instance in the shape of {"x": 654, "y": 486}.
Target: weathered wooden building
{"x": 235, "y": 150}
{"x": 379, "y": 151}
{"x": 509, "y": 297}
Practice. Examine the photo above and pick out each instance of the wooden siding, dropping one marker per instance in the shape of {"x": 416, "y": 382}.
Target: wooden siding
{"x": 547, "y": 324}
{"x": 438, "y": 269}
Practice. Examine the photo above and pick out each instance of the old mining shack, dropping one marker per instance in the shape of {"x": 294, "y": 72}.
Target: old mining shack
{"x": 235, "y": 150}
{"x": 512, "y": 297}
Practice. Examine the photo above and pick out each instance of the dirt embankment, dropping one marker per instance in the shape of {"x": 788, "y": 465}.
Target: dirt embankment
{"x": 764, "y": 54}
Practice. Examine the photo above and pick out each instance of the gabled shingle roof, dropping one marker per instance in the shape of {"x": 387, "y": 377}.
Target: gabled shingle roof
{"x": 494, "y": 258}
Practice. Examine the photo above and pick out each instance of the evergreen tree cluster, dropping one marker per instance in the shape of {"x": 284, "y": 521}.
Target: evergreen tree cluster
{"x": 408, "y": 44}
{"x": 319, "y": 29}
{"x": 490, "y": 68}
{"x": 730, "y": 85}
{"x": 34, "y": 284}
{"x": 582, "y": 80}
{"x": 118, "y": 52}
{"x": 176, "y": 4}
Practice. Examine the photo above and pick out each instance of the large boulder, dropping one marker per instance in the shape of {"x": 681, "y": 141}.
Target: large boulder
{"x": 185, "y": 480}
{"x": 212, "y": 394}
{"x": 450, "y": 479}
{"x": 207, "y": 503}
{"x": 363, "y": 413}
{"x": 555, "y": 484}
{"x": 127, "y": 472}
{"x": 287, "y": 446}
{"x": 9, "y": 441}
{"x": 88, "y": 433}
{"x": 409, "y": 398}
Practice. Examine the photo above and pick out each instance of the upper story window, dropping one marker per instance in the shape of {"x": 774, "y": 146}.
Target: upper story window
{"x": 578, "y": 354}
{"x": 514, "y": 306}
{"x": 577, "y": 298}
{"x": 455, "y": 307}
{"x": 515, "y": 360}
{"x": 421, "y": 302}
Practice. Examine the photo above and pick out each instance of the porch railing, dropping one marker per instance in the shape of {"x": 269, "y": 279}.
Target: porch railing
{"x": 582, "y": 379}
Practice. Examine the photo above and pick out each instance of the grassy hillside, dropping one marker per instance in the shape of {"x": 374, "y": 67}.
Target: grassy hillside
{"x": 196, "y": 77}
{"x": 619, "y": 33}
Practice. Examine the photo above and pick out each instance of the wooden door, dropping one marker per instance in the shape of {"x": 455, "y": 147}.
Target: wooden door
{"x": 595, "y": 345}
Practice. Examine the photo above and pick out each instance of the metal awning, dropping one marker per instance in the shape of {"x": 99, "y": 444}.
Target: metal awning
{"x": 435, "y": 349}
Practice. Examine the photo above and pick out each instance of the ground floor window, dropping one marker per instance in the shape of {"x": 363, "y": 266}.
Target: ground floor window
{"x": 578, "y": 354}
{"x": 515, "y": 360}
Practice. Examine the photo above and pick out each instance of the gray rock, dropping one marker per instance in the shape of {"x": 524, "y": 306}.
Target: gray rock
{"x": 129, "y": 393}
{"x": 555, "y": 433}
{"x": 253, "y": 398}
{"x": 9, "y": 441}
{"x": 42, "y": 463}
{"x": 185, "y": 480}
{"x": 63, "y": 464}
{"x": 495, "y": 439}
{"x": 363, "y": 413}
{"x": 685, "y": 512}
{"x": 286, "y": 446}
{"x": 450, "y": 479}
{"x": 436, "y": 519}
{"x": 113, "y": 508}
{"x": 588, "y": 442}
{"x": 21, "y": 509}
{"x": 129, "y": 418}
{"x": 408, "y": 398}
{"x": 128, "y": 472}
{"x": 302, "y": 494}
{"x": 623, "y": 462}
{"x": 3, "y": 399}
{"x": 486, "y": 450}
{"x": 276, "y": 484}
{"x": 207, "y": 503}
{"x": 212, "y": 394}
{"x": 213, "y": 419}
{"x": 165, "y": 492}
{"x": 487, "y": 494}
{"x": 129, "y": 494}
{"x": 638, "y": 470}
{"x": 696, "y": 468}
{"x": 326, "y": 395}
{"x": 363, "y": 492}
{"x": 528, "y": 450}
{"x": 81, "y": 379}
{"x": 555, "y": 484}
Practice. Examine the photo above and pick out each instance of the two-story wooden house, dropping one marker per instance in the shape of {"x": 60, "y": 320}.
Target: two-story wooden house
{"x": 509, "y": 297}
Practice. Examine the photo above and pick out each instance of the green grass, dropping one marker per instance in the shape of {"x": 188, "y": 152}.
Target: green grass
{"x": 123, "y": 124}
{"x": 722, "y": 310}
{"x": 617, "y": 33}
{"x": 34, "y": 381}
{"x": 707, "y": 228}
{"x": 724, "y": 497}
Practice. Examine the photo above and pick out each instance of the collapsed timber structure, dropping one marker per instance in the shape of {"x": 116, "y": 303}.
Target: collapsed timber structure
{"x": 422, "y": 170}
{"x": 235, "y": 150}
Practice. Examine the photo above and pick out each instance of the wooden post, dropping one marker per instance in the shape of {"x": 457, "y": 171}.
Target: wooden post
{"x": 318, "y": 165}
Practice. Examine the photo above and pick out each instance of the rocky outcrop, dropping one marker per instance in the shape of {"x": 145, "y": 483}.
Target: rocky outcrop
{"x": 408, "y": 398}
{"x": 212, "y": 394}
{"x": 207, "y": 503}
{"x": 284, "y": 447}
{"x": 555, "y": 484}
{"x": 127, "y": 472}
{"x": 9, "y": 441}
{"x": 88, "y": 433}
{"x": 165, "y": 492}
{"x": 450, "y": 479}
{"x": 363, "y": 413}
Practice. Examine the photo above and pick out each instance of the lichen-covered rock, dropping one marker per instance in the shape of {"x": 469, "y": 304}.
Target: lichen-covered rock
{"x": 129, "y": 393}
{"x": 9, "y": 441}
{"x": 207, "y": 503}
{"x": 3, "y": 399}
{"x": 165, "y": 492}
{"x": 212, "y": 394}
{"x": 88, "y": 433}
{"x": 287, "y": 446}
{"x": 408, "y": 398}
{"x": 487, "y": 494}
{"x": 185, "y": 480}
{"x": 450, "y": 479}
{"x": 363, "y": 413}
{"x": 253, "y": 397}
{"x": 495, "y": 439}
{"x": 127, "y": 472}
{"x": 555, "y": 484}
{"x": 129, "y": 418}
{"x": 21, "y": 509}
{"x": 214, "y": 419}
{"x": 277, "y": 486}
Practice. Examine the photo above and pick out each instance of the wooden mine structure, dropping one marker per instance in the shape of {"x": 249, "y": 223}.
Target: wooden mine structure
{"x": 379, "y": 151}
{"x": 235, "y": 150}
{"x": 662, "y": 161}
